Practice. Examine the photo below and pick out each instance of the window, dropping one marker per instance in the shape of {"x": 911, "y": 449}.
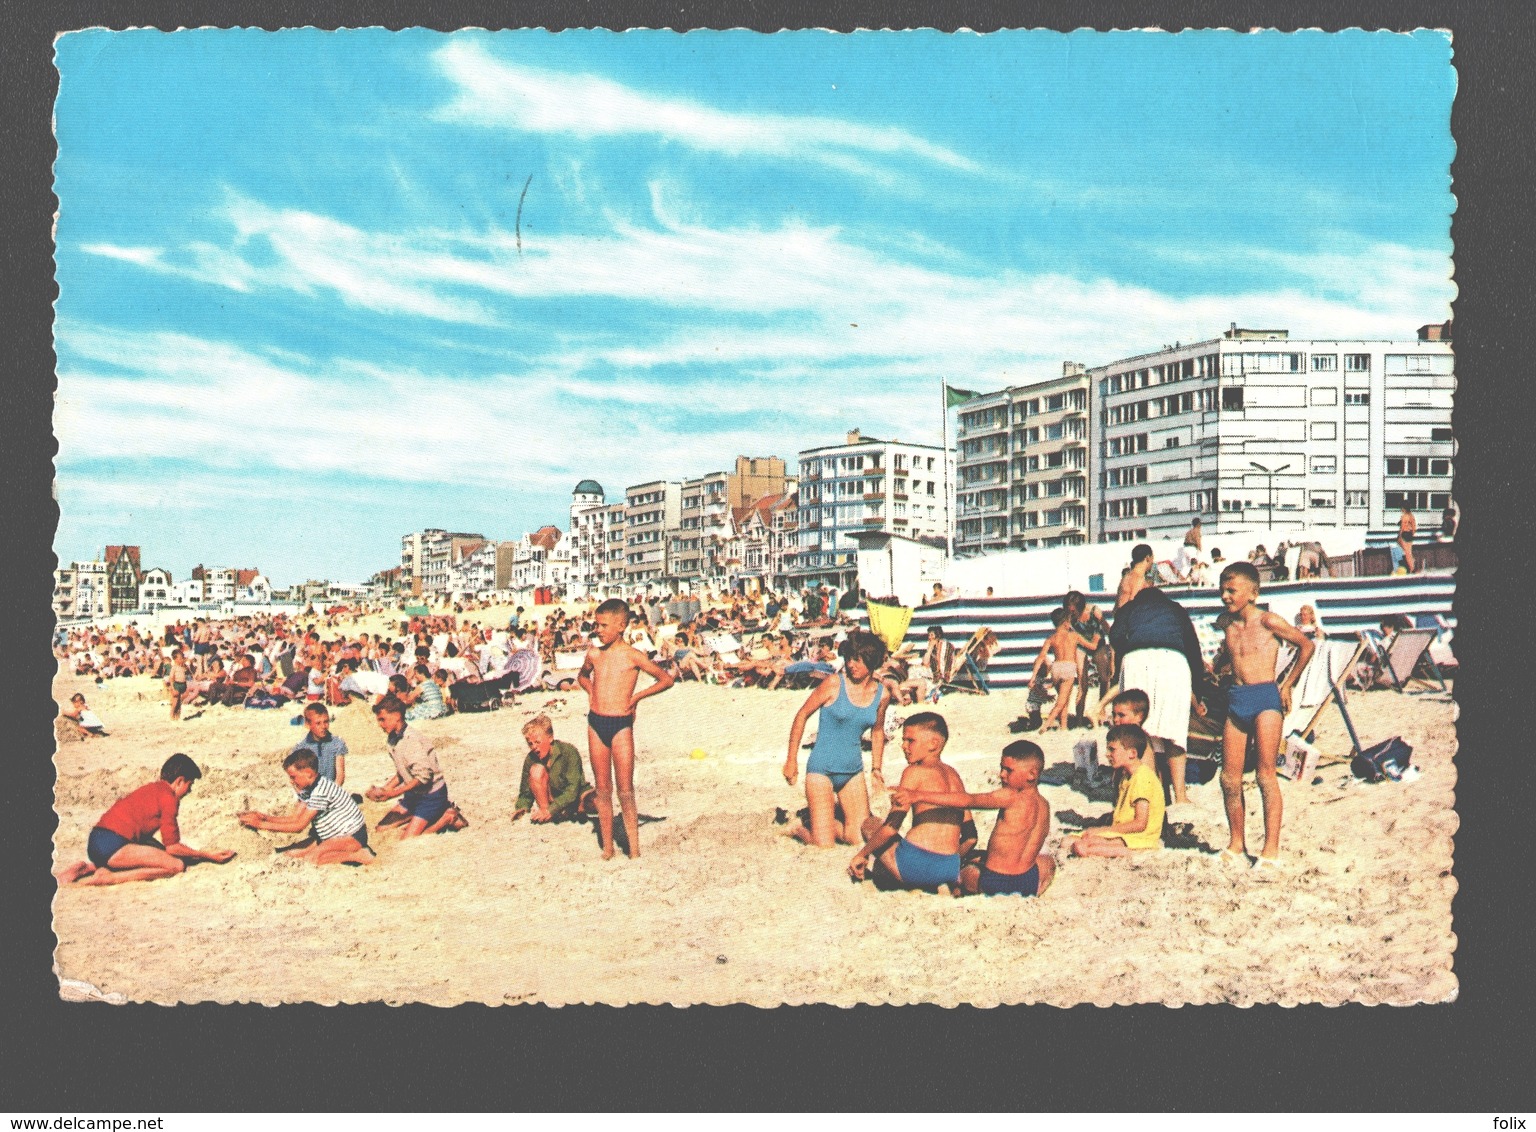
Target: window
{"x": 1357, "y": 398}
{"x": 1232, "y": 399}
{"x": 1441, "y": 434}
{"x": 1322, "y": 499}
{"x": 1324, "y": 465}
{"x": 1357, "y": 363}
{"x": 1322, "y": 363}
{"x": 1417, "y": 466}
{"x": 1324, "y": 430}
{"x": 1413, "y": 500}
{"x": 1171, "y": 442}
{"x": 1055, "y": 402}
{"x": 1325, "y": 395}
{"x": 1357, "y": 498}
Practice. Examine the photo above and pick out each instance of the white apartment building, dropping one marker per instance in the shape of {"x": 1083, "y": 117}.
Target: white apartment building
{"x": 653, "y": 513}
{"x": 191, "y": 591}
{"x": 864, "y": 484}
{"x": 471, "y": 570}
{"x": 1023, "y": 466}
{"x": 543, "y": 558}
{"x": 155, "y": 588}
{"x": 1258, "y": 429}
{"x": 705, "y": 527}
{"x": 587, "y": 536}
{"x": 80, "y": 590}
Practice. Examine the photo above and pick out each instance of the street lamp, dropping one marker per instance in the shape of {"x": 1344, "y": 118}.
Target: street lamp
{"x": 1269, "y": 487}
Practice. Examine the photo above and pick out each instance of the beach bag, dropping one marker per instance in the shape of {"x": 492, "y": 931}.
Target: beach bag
{"x": 1298, "y": 759}
{"x": 1384, "y": 761}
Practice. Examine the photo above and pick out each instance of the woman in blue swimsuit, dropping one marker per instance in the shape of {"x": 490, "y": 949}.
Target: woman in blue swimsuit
{"x": 850, "y": 702}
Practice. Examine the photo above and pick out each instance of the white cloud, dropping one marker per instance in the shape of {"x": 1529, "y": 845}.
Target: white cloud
{"x": 498, "y": 93}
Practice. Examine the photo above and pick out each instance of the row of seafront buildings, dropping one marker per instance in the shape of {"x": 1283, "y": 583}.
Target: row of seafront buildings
{"x": 1252, "y": 429}
{"x": 118, "y": 582}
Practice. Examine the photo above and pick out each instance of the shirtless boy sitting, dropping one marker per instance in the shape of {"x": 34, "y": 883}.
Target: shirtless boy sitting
{"x": 1013, "y": 861}
{"x": 608, "y": 676}
{"x": 929, "y": 857}
{"x": 1256, "y": 703}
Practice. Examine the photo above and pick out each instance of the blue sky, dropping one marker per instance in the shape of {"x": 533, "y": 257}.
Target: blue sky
{"x": 299, "y": 316}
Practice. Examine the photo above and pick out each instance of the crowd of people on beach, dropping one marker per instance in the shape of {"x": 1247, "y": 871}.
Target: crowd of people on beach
{"x": 1143, "y": 657}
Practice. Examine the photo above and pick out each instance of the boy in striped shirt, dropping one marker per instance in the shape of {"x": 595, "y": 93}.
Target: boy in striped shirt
{"x": 341, "y": 834}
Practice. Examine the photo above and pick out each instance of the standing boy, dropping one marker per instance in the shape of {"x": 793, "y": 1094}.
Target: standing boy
{"x": 608, "y": 676}
{"x": 929, "y": 856}
{"x": 122, "y": 845}
{"x": 340, "y": 833}
{"x": 1013, "y": 861}
{"x": 1256, "y": 704}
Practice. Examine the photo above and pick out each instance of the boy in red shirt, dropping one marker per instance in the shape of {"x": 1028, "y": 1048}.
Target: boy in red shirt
{"x": 122, "y": 846}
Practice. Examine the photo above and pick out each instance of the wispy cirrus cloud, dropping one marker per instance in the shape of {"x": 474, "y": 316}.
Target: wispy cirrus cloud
{"x": 497, "y": 93}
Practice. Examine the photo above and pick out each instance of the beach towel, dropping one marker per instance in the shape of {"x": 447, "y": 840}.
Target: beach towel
{"x": 1163, "y": 675}
{"x": 889, "y": 623}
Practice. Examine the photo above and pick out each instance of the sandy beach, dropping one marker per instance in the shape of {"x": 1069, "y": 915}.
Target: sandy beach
{"x": 721, "y": 907}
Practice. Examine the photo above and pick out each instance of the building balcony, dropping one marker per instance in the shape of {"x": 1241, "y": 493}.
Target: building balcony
{"x": 868, "y": 495}
{"x": 873, "y": 522}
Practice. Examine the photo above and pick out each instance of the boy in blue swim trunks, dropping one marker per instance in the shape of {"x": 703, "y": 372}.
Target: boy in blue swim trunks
{"x": 1256, "y": 705}
{"x": 417, "y": 788}
{"x": 1013, "y": 862}
{"x": 929, "y": 856}
{"x": 122, "y": 845}
{"x": 608, "y": 676}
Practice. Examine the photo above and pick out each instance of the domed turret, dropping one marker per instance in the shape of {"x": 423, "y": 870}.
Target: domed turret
{"x": 589, "y": 487}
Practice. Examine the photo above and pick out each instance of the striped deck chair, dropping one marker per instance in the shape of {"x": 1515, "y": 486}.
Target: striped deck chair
{"x": 1335, "y": 659}
{"x": 964, "y": 676}
{"x": 1439, "y": 648}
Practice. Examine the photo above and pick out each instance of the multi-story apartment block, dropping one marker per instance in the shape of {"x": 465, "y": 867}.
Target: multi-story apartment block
{"x": 653, "y": 512}
{"x": 1023, "y": 469}
{"x": 426, "y": 556}
{"x": 614, "y": 579}
{"x": 864, "y": 484}
{"x": 1258, "y": 429}
{"x": 587, "y": 537}
{"x": 471, "y": 569}
{"x": 80, "y": 590}
{"x": 760, "y": 542}
{"x": 705, "y": 526}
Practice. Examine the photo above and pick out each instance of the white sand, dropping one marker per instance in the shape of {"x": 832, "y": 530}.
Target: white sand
{"x": 721, "y": 908}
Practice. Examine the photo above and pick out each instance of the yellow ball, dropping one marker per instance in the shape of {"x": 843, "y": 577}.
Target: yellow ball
{"x": 698, "y": 753}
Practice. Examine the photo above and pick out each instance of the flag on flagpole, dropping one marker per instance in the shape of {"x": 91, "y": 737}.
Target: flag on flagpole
{"x": 953, "y": 396}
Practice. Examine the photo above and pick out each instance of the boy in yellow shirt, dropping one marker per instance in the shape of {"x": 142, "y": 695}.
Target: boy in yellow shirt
{"x": 1137, "y": 822}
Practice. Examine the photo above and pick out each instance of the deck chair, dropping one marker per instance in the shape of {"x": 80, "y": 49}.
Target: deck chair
{"x": 1439, "y": 648}
{"x": 964, "y": 676}
{"x": 725, "y": 646}
{"x": 1400, "y": 658}
{"x": 562, "y": 676}
{"x": 1335, "y": 659}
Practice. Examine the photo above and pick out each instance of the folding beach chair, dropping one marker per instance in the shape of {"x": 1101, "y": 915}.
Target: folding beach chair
{"x": 1400, "y": 658}
{"x": 1439, "y": 648}
{"x": 963, "y": 674}
{"x": 1339, "y": 657}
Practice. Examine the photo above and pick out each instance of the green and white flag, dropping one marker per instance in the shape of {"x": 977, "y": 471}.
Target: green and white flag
{"x": 953, "y": 396}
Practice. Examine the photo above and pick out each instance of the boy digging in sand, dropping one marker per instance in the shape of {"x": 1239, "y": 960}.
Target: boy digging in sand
{"x": 1013, "y": 861}
{"x": 1256, "y": 703}
{"x": 608, "y": 676}
{"x": 340, "y": 832}
{"x": 122, "y": 846}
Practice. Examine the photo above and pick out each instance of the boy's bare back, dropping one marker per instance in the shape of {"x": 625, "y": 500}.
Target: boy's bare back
{"x": 1021, "y": 829}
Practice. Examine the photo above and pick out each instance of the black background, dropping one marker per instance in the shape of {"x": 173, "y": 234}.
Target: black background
{"x": 1458, "y": 1056}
